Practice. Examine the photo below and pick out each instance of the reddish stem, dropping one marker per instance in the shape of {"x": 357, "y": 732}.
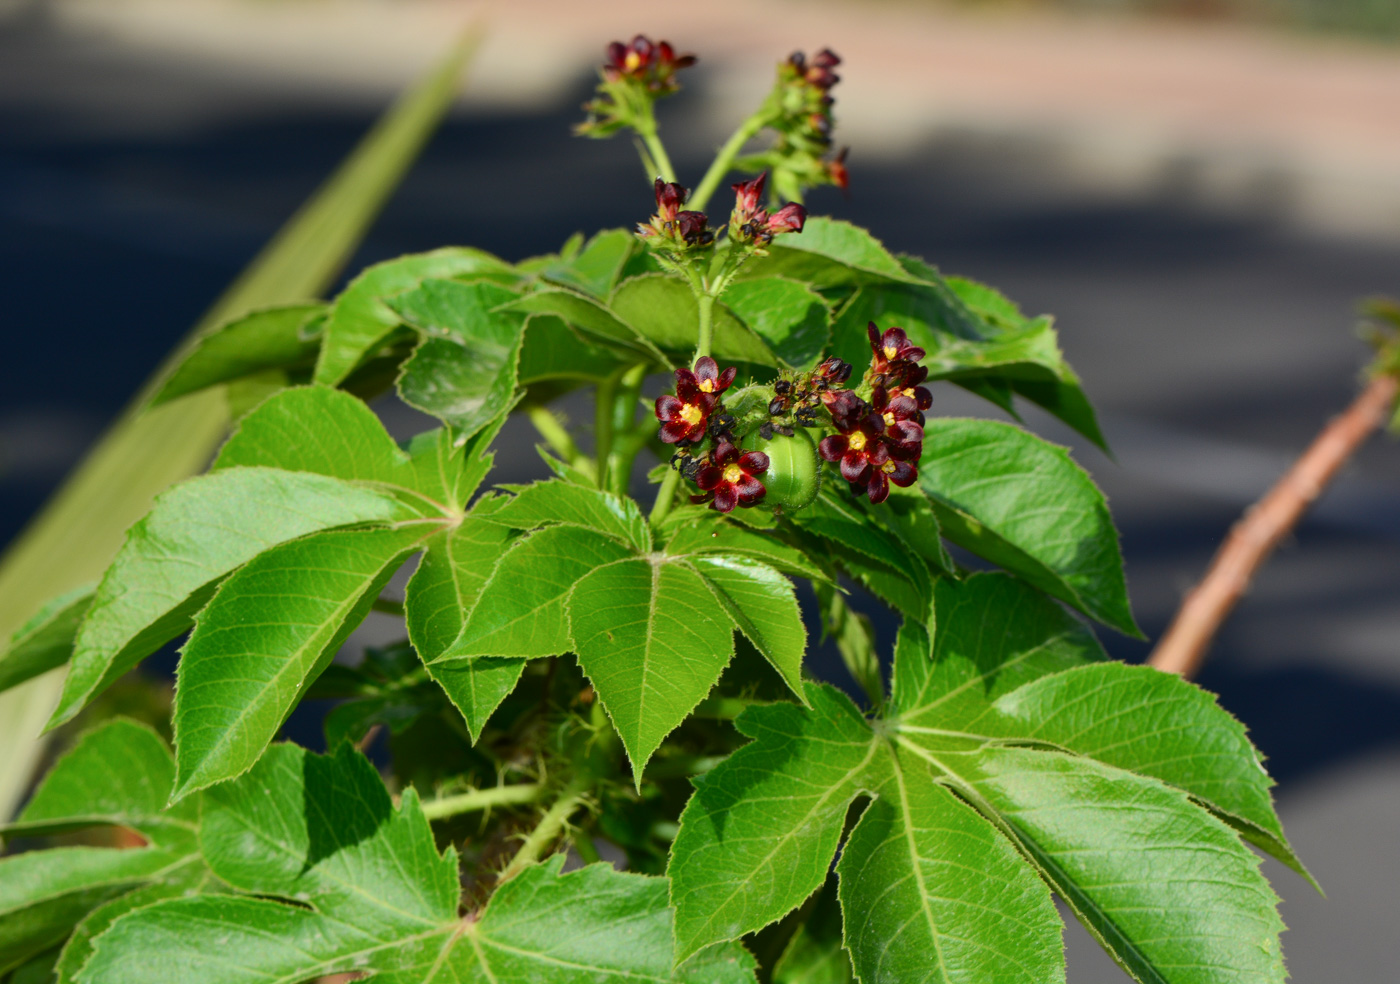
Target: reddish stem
{"x": 1264, "y": 525}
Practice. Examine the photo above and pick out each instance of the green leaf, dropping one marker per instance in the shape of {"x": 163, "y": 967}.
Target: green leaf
{"x": 995, "y": 633}
{"x": 1197, "y": 911}
{"x": 438, "y": 599}
{"x": 1155, "y": 724}
{"x": 119, "y": 773}
{"x": 383, "y": 901}
{"x": 565, "y": 503}
{"x": 758, "y": 835}
{"x": 463, "y": 372}
{"x": 360, "y": 320}
{"x": 317, "y": 429}
{"x": 272, "y": 338}
{"x": 598, "y": 266}
{"x": 664, "y": 309}
{"x": 270, "y": 629}
{"x": 814, "y": 955}
{"x": 520, "y": 611}
{"x": 448, "y": 470}
{"x": 653, "y": 640}
{"x": 791, "y": 317}
{"x": 46, "y": 640}
{"x": 591, "y": 318}
{"x": 932, "y": 892}
{"x": 552, "y": 351}
{"x": 830, "y": 253}
{"x": 763, "y": 605}
{"x": 703, "y": 531}
{"x": 908, "y": 514}
{"x": 82, "y": 527}
{"x": 194, "y": 535}
{"x": 1023, "y": 504}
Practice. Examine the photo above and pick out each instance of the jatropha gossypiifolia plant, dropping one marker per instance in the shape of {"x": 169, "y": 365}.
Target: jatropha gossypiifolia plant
{"x": 579, "y": 675}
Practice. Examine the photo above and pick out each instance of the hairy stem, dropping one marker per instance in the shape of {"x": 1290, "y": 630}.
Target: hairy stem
{"x": 625, "y": 445}
{"x": 1264, "y": 525}
{"x": 482, "y": 799}
{"x": 547, "y": 829}
{"x": 725, "y": 158}
{"x": 555, "y": 434}
{"x": 604, "y": 415}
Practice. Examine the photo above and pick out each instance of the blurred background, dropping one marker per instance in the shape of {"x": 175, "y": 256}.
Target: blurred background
{"x": 1199, "y": 190}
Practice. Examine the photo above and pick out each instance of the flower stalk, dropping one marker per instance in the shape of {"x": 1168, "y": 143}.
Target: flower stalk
{"x": 476, "y": 800}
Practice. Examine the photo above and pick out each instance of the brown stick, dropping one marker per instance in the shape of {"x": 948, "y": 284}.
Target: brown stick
{"x": 1258, "y": 532}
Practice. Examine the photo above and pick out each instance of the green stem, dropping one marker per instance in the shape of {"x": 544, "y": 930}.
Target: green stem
{"x": 547, "y": 829}
{"x": 482, "y": 799}
{"x": 586, "y": 849}
{"x": 555, "y": 434}
{"x": 725, "y": 158}
{"x": 625, "y": 423}
{"x": 666, "y": 495}
{"x": 646, "y": 129}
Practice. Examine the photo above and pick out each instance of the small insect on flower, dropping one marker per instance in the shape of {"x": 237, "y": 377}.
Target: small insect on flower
{"x": 731, "y": 478}
{"x": 685, "y": 416}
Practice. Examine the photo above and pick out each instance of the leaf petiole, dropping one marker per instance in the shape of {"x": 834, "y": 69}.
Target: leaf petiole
{"x": 482, "y": 799}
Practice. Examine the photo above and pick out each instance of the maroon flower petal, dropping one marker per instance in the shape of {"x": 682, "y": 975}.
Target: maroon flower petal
{"x": 667, "y": 407}
{"x": 725, "y": 379}
{"x": 878, "y": 488}
{"x": 903, "y": 474}
{"x": 709, "y": 478}
{"x": 725, "y": 454}
{"x": 790, "y": 218}
{"x": 833, "y": 447}
{"x": 675, "y": 431}
{"x": 871, "y": 331}
{"x": 749, "y": 490}
{"x": 754, "y": 462}
{"x": 855, "y": 466}
{"x": 726, "y": 498}
{"x": 706, "y": 369}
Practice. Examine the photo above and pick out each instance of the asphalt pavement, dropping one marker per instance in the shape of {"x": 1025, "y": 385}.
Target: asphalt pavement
{"x": 1215, "y": 340}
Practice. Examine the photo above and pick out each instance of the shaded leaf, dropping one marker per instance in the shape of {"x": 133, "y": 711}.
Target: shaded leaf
{"x": 552, "y": 350}
{"x": 830, "y": 253}
{"x": 272, "y": 338}
{"x": 463, "y": 372}
{"x": 559, "y": 502}
{"x": 664, "y": 309}
{"x": 46, "y": 640}
{"x": 591, "y": 318}
{"x": 360, "y": 320}
{"x": 763, "y": 605}
{"x": 792, "y": 318}
{"x": 596, "y": 268}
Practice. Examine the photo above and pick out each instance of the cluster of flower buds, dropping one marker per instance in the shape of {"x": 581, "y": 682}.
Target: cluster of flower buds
{"x": 804, "y": 125}
{"x": 879, "y": 442}
{"x": 798, "y": 401}
{"x": 752, "y": 224}
{"x": 635, "y": 75}
{"x": 672, "y": 228}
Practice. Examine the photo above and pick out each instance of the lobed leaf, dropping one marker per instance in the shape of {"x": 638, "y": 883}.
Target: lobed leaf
{"x": 565, "y": 503}
{"x": 598, "y": 266}
{"x": 552, "y": 351}
{"x": 792, "y": 318}
{"x": 763, "y": 605}
{"x": 1023, "y": 504}
{"x": 653, "y": 640}
{"x": 830, "y": 253}
{"x": 591, "y": 318}
{"x": 270, "y": 630}
{"x": 663, "y": 309}
{"x": 196, "y": 534}
{"x": 382, "y": 900}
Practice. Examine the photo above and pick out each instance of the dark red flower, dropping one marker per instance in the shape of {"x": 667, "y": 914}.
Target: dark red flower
{"x": 731, "y": 478}
{"x": 750, "y": 221}
{"x": 906, "y": 383}
{"x": 895, "y": 407}
{"x": 790, "y": 218}
{"x": 845, "y": 408}
{"x": 836, "y": 170}
{"x": 885, "y": 469}
{"x": 890, "y": 348}
{"x": 832, "y": 371}
{"x": 683, "y": 421}
{"x": 706, "y": 378}
{"x": 670, "y": 223}
{"x": 653, "y": 65}
{"x": 853, "y": 447}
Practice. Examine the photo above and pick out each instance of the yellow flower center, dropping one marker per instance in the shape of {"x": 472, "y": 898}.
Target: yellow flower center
{"x": 887, "y": 468}
{"x": 889, "y": 418}
{"x": 856, "y": 441}
{"x": 707, "y": 385}
{"x": 733, "y": 474}
{"x": 691, "y": 414}
{"x": 891, "y": 351}
{"x": 632, "y": 61}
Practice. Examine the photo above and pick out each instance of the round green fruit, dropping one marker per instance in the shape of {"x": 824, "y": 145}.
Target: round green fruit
{"x": 794, "y": 475}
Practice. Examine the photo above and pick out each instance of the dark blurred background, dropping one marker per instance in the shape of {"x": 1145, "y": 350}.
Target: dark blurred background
{"x": 1201, "y": 199}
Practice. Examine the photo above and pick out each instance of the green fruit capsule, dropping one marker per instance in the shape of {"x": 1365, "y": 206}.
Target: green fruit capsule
{"x": 794, "y": 476}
